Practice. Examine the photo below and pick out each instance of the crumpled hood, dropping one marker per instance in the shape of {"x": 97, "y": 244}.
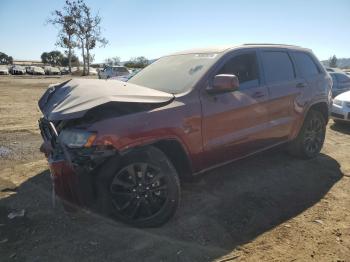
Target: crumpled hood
{"x": 72, "y": 99}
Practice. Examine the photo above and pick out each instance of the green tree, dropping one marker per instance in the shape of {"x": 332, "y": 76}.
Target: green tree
{"x": 137, "y": 62}
{"x": 53, "y": 58}
{"x": 333, "y": 61}
{"x": 74, "y": 61}
{"x": 5, "y": 59}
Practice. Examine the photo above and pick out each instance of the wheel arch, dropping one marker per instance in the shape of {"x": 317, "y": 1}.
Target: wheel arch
{"x": 178, "y": 156}
{"x": 321, "y": 107}
{"x": 175, "y": 152}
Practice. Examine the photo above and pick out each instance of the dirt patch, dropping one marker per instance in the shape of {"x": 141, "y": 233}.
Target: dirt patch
{"x": 270, "y": 207}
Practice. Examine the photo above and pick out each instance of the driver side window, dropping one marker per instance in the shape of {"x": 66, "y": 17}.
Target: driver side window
{"x": 245, "y": 67}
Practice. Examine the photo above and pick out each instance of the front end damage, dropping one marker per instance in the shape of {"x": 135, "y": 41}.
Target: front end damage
{"x": 69, "y": 109}
{"x": 73, "y": 170}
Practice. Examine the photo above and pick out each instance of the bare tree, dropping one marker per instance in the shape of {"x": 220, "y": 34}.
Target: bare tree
{"x": 66, "y": 19}
{"x": 79, "y": 28}
{"x": 88, "y": 32}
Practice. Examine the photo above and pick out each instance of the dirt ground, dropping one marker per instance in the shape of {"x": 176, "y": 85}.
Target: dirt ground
{"x": 270, "y": 207}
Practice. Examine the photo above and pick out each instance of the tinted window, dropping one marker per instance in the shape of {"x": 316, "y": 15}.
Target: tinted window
{"x": 243, "y": 66}
{"x": 305, "y": 64}
{"x": 277, "y": 66}
{"x": 342, "y": 78}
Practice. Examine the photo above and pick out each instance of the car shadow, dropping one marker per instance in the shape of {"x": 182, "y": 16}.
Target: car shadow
{"x": 226, "y": 208}
{"x": 341, "y": 127}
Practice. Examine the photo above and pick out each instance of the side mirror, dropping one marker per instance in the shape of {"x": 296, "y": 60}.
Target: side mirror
{"x": 224, "y": 83}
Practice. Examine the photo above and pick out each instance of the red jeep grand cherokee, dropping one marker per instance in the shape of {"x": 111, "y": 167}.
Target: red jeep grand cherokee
{"x": 123, "y": 148}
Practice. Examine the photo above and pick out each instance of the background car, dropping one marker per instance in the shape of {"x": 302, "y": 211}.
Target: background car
{"x": 126, "y": 77}
{"x": 35, "y": 70}
{"x": 334, "y": 69}
{"x": 4, "y": 70}
{"x": 341, "y": 108}
{"x": 113, "y": 71}
{"x": 341, "y": 83}
{"x": 17, "y": 70}
{"x": 50, "y": 70}
{"x": 74, "y": 69}
{"x": 64, "y": 70}
{"x": 93, "y": 71}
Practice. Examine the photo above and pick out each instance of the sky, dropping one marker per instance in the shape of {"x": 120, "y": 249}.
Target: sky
{"x": 155, "y": 28}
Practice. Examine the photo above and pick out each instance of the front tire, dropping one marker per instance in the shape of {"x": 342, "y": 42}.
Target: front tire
{"x": 310, "y": 139}
{"x": 145, "y": 190}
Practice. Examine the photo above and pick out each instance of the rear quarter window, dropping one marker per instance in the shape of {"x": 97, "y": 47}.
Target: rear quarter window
{"x": 306, "y": 64}
{"x": 277, "y": 66}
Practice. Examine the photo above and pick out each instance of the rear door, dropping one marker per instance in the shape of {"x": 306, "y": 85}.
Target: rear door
{"x": 234, "y": 123}
{"x": 286, "y": 90}
{"x": 310, "y": 70}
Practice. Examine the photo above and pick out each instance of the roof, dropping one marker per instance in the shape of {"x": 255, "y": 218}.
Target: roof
{"x": 225, "y": 48}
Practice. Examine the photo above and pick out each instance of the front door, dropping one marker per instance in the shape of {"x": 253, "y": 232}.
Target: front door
{"x": 234, "y": 123}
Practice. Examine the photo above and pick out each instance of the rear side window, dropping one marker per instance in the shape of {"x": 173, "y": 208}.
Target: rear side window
{"x": 277, "y": 66}
{"x": 305, "y": 64}
{"x": 243, "y": 66}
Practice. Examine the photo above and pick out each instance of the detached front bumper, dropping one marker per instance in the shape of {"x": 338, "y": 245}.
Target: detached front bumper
{"x": 74, "y": 180}
{"x": 65, "y": 182}
{"x": 73, "y": 170}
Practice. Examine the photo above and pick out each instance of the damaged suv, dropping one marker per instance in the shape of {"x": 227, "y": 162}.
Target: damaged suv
{"x": 123, "y": 148}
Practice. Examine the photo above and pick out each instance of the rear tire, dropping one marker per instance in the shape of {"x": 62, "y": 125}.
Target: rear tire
{"x": 310, "y": 139}
{"x": 144, "y": 191}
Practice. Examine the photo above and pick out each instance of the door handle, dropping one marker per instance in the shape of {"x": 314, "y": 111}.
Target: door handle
{"x": 300, "y": 85}
{"x": 258, "y": 94}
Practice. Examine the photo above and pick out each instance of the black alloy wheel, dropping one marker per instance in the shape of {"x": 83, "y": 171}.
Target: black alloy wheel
{"x": 314, "y": 136}
{"x": 143, "y": 190}
{"x": 139, "y": 191}
{"x": 310, "y": 139}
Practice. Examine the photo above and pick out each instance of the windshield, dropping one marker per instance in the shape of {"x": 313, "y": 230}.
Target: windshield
{"x": 174, "y": 74}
